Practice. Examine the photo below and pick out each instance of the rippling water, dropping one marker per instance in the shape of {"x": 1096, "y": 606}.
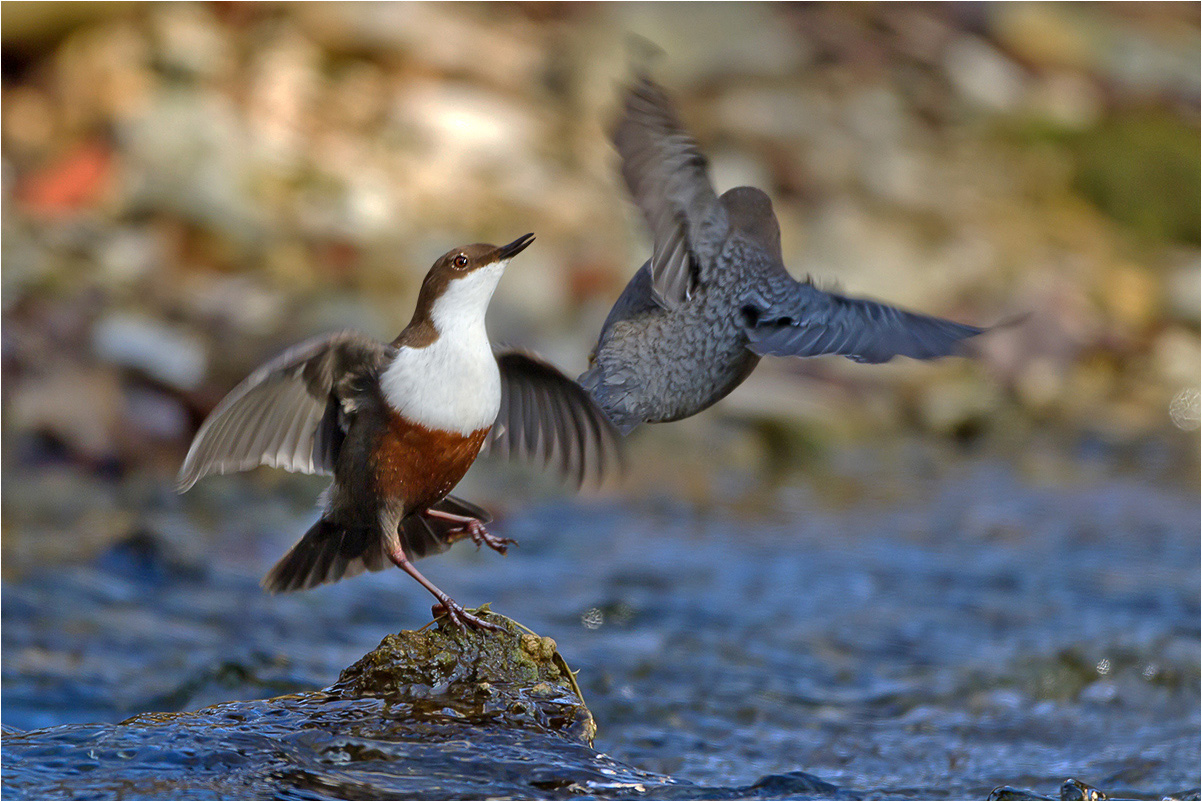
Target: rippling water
{"x": 971, "y": 630}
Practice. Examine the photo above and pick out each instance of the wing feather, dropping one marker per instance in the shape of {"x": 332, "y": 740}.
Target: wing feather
{"x": 547, "y": 418}
{"x": 667, "y": 176}
{"x": 810, "y": 322}
{"x": 274, "y": 416}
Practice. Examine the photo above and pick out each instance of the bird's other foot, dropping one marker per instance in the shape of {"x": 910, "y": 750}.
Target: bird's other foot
{"x": 480, "y": 535}
{"x": 472, "y": 528}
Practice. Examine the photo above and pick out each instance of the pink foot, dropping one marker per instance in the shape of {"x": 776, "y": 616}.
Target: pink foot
{"x": 461, "y": 617}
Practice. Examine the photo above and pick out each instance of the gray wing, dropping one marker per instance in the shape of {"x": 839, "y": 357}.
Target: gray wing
{"x": 546, "y": 417}
{"x": 666, "y": 175}
{"x": 636, "y": 299}
{"x": 811, "y": 322}
{"x": 288, "y": 413}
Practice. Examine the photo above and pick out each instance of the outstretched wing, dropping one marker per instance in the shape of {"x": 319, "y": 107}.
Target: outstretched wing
{"x": 807, "y": 321}
{"x": 289, "y": 413}
{"x": 546, "y": 417}
{"x": 666, "y": 175}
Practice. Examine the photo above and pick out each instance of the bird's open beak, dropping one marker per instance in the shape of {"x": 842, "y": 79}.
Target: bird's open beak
{"x": 506, "y": 252}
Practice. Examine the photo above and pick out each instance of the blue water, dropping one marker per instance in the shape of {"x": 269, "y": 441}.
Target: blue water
{"x": 969, "y": 628}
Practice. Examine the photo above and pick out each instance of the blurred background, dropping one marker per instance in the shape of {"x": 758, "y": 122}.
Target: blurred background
{"x": 190, "y": 187}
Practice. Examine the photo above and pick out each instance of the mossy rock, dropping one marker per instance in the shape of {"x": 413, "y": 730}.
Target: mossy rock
{"x": 512, "y": 678}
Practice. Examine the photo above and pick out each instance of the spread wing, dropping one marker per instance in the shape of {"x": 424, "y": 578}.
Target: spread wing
{"x": 666, "y": 175}
{"x": 548, "y": 418}
{"x": 807, "y": 321}
{"x": 289, "y": 413}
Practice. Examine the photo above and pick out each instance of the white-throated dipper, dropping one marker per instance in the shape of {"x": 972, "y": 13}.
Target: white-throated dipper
{"x": 398, "y": 425}
{"x": 715, "y": 295}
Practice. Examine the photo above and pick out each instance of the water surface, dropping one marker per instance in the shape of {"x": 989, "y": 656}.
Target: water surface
{"x": 966, "y": 628}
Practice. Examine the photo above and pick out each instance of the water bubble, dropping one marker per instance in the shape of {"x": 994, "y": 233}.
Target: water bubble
{"x": 592, "y": 618}
{"x": 1183, "y": 409}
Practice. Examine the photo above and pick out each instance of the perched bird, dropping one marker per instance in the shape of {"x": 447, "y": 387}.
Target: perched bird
{"x": 715, "y": 296}
{"x": 398, "y": 425}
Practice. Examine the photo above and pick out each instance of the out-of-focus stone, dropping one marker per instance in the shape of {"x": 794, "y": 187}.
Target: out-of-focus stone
{"x": 1041, "y": 384}
{"x": 154, "y": 414}
{"x": 1070, "y": 100}
{"x": 876, "y": 115}
{"x": 1183, "y": 289}
{"x": 707, "y": 41}
{"x": 29, "y": 120}
{"x": 950, "y": 404}
{"x": 1175, "y": 355}
{"x": 984, "y": 76}
{"x": 78, "y": 406}
{"x": 532, "y": 290}
{"x": 776, "y": 113}
{"x": 1151, "y": 65}
{"x": 473, "y": 126}
{"x": 496, "y": 49}
{"x": 1132, "y": 296}
{"x": 190, "y": 40}
{"x": 188, "y": 154}
{"x": 131, "y": 254}
{"x": 1043, "y": 34}
{"x": 241, "y": 302}
{"x": 284, "y": 80}
{"x": 730, "y": 169}
{"x": 165, "y": 353}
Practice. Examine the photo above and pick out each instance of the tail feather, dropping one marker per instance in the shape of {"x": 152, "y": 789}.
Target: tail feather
{"x": 612, "y": 397}
{"x": 327, "y": 552}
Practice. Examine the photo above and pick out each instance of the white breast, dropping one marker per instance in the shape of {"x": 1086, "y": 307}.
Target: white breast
{"x": 454, "y": 383}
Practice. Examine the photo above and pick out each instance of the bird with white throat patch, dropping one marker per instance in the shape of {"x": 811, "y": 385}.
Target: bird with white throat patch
{"x": 398, "y": 424}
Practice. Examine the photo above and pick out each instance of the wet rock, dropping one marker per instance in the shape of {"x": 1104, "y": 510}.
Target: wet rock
{"x": 481, "y": 677}
{"x": 796, "y": 782}
{"x": 1075, "y": 789}
{"x": 1006, "y": 792}
{"x": 441, "y": 713}
{"x": 1191, "y": 794}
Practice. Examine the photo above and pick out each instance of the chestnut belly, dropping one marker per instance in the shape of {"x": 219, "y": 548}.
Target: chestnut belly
{"x": 418, "y": 465}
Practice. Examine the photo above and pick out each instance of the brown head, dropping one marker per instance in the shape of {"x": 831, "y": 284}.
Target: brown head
{"x": 458, "y": 288}
{"x": 749, "y": 211}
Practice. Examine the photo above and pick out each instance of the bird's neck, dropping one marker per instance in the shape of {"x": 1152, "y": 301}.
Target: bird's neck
{"x": 450, "y": 382}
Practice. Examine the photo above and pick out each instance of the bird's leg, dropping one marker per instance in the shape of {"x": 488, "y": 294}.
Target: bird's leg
{"x": 446, "y": 605}
{"x": 473, "y": 528}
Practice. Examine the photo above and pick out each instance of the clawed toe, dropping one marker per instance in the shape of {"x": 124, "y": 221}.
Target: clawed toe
{"x": 482, "y": 537}
{"x": 462, "y": 618}
{"x": 497, "y": 544}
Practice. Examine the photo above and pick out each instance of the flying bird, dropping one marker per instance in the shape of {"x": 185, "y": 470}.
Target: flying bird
{"x": 715, "y": 296}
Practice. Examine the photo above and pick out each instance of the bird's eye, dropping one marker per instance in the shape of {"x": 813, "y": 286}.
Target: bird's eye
{"x": 460, "y": 261}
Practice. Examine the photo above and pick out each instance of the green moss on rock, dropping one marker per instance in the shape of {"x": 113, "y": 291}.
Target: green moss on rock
{"x": 511, "y": 678}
